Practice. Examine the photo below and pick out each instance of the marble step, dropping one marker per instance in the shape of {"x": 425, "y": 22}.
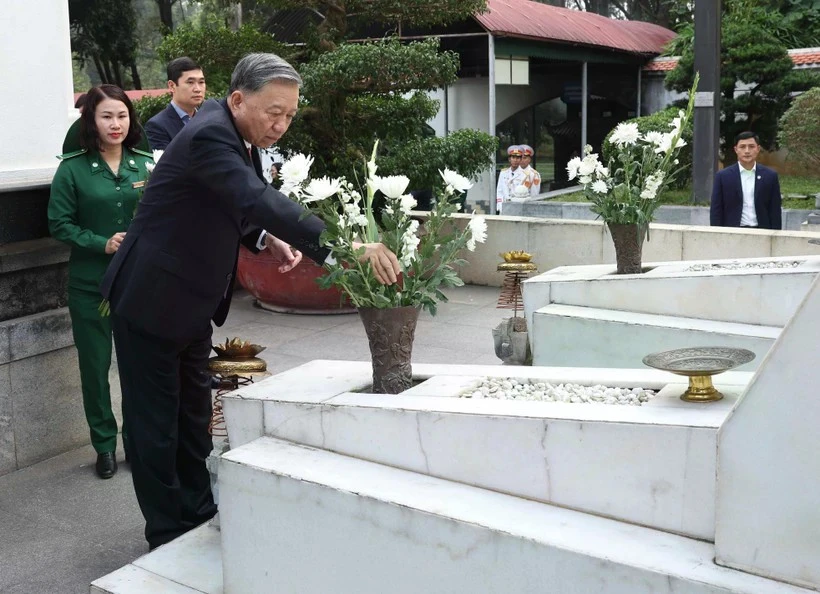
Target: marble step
{"x": 191, "y": 564}
{"x": 301, "y": 520}
{"x": 574, "y": 336}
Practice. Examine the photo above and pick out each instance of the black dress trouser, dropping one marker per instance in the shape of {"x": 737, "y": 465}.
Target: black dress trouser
{"x": 166, "y": 400}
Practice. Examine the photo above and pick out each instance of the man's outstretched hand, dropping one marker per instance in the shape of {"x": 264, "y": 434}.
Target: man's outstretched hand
{"x": 384, "y": 262}
{"x": 283, "y": 253}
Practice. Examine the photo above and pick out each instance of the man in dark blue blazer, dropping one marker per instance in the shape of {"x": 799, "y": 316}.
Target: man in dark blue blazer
{"x": 746, "y": 194}
{"x": 187, "y": 85}
{"x": 173, "y": 275}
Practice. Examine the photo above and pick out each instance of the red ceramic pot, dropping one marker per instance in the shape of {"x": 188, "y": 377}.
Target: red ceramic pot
{"x": 292, "y": 292}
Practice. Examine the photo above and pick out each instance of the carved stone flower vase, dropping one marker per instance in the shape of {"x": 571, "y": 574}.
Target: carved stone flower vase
{"x": 390, "y": 332}
{"x": 628, "y": 240}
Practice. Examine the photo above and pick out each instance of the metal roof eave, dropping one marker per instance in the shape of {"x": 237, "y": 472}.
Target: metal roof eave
{"x": 519, "y": 45}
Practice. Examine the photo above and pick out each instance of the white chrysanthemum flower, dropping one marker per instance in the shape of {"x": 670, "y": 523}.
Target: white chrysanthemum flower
{"x": 407, "y": 203}
{"x": 653, "y": 137}
{"x": 458, "y": 182}
{"x": 478, "y": 232}
{"x": 600, "y": 187}
{"x": 572, "y": 167}
{"x": 393, "y": 186}
{"x": 589, "y": 164}
{"x": 521, "y": 191}
{"x": 625, "y": 134}
{"x": 321, "y": 188}
{"x": 295, "y": 170}
{"x": 601, "y": 171}
{"x": 585, "y": 179}
{"x": 342, "y": 222}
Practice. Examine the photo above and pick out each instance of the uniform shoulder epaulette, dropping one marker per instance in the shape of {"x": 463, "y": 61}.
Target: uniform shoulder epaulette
{"x": 142, "y": 152}
{"x": 72, "y": 154}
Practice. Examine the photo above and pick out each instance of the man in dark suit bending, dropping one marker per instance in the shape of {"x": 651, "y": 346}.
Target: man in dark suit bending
{"x": 746, "y": 194}
{"x": 173, "y": 275}
{"x": 187, "y": 85}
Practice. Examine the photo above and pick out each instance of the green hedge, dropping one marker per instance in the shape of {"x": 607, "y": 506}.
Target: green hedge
{"x": 660, "y": 122}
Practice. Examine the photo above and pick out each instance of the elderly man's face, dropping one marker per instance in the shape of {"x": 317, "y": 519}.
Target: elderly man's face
{"x": 264, "y": 116}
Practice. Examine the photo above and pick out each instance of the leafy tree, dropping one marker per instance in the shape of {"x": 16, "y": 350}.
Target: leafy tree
{"x": 800, "y": 131}
{"x": 356, "y": 92}
{"x": 217, "y": 49}
{"x": 102, "y": 31}
{"x": 757, "y": 75}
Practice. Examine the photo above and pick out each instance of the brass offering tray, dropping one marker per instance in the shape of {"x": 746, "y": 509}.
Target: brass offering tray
{"x": 699, "y": 364}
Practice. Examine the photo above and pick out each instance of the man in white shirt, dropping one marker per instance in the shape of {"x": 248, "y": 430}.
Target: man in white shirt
{"x": 532, "y": 179}
{"x": 746, "y": 194}
{"x": 509, "y": 178}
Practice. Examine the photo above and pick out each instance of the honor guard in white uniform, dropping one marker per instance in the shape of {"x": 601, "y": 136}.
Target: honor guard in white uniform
{"x": 510, "y": 178}
{"x": 532, "y": 179}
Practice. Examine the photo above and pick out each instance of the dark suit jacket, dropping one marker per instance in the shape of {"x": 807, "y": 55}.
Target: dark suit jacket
{"x": 163, "y": 127}
{"x": 727, "y": 198}
{"x": 173, "y": 273}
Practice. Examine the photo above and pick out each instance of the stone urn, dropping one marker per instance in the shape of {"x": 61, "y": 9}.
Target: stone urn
{"x": 628, "y": 241}
{"x": 296, "y": 291}
{"x": 390, "y": 333}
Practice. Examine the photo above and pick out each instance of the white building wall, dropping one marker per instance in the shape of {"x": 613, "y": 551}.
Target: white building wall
{"x": 37, "y": 101}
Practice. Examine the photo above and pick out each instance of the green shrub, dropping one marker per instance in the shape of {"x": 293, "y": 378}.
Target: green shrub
{"x": 660, "y": 122}
{"x": 800, "y": 131}
{"x": 217, "y": 49}
{"x": 148, "y": 106}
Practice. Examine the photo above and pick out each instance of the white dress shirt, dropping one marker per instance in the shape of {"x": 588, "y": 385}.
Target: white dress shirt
{"x": 748, "y": 217}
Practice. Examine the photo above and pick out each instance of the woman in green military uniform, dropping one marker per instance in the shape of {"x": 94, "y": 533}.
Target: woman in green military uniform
{"x": 93, "y": 197}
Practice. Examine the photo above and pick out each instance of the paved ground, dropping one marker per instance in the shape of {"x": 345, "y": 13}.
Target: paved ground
{"x": 61, "y": 527}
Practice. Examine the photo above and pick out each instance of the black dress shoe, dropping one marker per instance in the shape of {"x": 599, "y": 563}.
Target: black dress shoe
{"x": 106, "y": 465}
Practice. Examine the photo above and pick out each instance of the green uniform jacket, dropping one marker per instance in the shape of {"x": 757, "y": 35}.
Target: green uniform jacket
{"x": 89, "y": 204}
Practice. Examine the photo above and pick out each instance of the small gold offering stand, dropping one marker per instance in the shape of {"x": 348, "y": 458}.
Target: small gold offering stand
{"x": 699, "y": 364}
{"x": 517, "y": 266}
{"x": 235, "y": 365}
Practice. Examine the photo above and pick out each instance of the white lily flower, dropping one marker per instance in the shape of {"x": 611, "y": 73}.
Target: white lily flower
{"x": 321, "y": 188}
{"x": 295, "y": 170}
{"x": 393, "y": 186}
{"x": 458, "y": 182}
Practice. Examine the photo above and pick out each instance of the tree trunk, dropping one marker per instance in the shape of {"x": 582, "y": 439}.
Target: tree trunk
{"x": 135, "y": 76}
{"x": 117, "y": 73}
{"x": 166, "y": 15}
{"x": 98, "y": 65}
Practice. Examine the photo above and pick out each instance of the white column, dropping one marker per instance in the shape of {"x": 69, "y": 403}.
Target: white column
{"x": 491, "y": 113}
{"x": 584, "y": 92}
{"x": 37, "y": 103}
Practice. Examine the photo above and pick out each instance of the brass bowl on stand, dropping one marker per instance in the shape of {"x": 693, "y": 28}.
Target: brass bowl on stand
{"x": 699, "y": 364}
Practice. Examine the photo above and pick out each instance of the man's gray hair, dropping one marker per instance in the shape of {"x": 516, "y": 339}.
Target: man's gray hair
{"x": 254, "y": 71}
